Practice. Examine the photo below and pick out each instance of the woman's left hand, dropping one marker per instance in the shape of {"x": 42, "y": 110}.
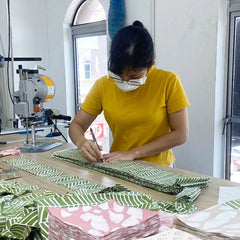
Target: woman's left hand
{"x": 118, "y": 156}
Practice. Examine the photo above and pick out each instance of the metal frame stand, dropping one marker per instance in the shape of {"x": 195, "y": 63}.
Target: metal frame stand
{"x": 36, "y": 147}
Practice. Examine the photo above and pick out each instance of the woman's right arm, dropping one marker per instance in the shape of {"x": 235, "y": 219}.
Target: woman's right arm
{"x": 78, "y": 127}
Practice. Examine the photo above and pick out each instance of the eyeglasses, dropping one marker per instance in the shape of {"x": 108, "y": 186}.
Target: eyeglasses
{"x": 117, "y": 79}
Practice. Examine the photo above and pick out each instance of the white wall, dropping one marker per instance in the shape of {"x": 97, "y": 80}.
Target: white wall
{"x": 38, "y": 31}
{"x": 189, "y": 40}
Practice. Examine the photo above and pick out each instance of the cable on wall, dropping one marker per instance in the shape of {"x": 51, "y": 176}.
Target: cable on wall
{"x": 9, "y": 49}
{"x": 153, "y": 14}
{"x": 116, "y": 17}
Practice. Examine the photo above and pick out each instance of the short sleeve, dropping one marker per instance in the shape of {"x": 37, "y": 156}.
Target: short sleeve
{"x": 93, "y": 101}
{"x": 176, "y": 97}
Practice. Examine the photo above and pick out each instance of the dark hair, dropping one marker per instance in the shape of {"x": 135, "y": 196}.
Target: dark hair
{"x": 131, "y": 47}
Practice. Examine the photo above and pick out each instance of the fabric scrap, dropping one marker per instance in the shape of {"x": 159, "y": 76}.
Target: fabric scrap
{"x": 217, "y": 222}
{"x": 172, "y": 234}
{"x": 233, "y": 203}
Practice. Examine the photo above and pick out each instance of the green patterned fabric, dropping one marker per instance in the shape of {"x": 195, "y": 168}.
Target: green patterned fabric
{"x": 16, "y": 189}
{"x": 25, "y": 216}
{"x": 233, "y": 203}
{"x": 185, "y": 198}
{"x": 16, "y": 221}
{"x": 188, "y": 194}
{"x": 21, "y": 217}
{"x": 53, "y": 175}
{"x": 138, "y": 173}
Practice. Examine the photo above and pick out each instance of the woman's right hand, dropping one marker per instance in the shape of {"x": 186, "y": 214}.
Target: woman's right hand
{"x": 77, "y": 129}
{"x": 89, "y": 150}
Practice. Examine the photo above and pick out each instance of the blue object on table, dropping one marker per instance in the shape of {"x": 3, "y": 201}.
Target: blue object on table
{"x": 53, "y": 134}
{"x": 30, "y": 131}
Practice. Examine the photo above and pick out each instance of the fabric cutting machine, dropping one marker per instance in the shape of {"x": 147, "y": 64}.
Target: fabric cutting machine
{"x": 34, "y": 90}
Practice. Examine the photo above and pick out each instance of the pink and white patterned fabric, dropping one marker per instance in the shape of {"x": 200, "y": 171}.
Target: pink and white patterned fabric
{"x": 7, "y": 152}
{"x": 108, "y": 220}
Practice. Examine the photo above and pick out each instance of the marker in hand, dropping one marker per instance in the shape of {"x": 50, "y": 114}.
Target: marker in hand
{"x": 95, "y": 141}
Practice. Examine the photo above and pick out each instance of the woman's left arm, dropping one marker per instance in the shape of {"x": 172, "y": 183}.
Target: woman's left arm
{"x": 178, "y": 135}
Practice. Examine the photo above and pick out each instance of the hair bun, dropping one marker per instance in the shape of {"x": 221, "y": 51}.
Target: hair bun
{"x": 137, "y": 24}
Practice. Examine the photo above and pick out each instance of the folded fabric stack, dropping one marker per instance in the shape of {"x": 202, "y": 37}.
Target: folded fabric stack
{"x": 138, "y": 173}
{"x": 172, "y": 234}
{"x": 217, "y": 222}
{"x": 108, "y": 220}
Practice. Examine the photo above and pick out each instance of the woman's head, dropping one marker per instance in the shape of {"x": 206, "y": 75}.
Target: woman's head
{"x": 131, "y": 49}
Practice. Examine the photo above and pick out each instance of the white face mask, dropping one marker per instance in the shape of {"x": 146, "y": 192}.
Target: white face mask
{"x": 129, "y": 85}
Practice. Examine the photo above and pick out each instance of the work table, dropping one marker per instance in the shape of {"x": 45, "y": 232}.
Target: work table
{"x": 207, "y": 198}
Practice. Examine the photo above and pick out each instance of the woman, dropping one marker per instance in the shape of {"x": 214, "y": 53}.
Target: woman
{"x": 145, "y": 107}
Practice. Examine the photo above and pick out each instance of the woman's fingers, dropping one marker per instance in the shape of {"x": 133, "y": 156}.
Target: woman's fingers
{"x": 90, "y": 151}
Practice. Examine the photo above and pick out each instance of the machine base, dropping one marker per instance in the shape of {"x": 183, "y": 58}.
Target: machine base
{"x": 39, "y": 147}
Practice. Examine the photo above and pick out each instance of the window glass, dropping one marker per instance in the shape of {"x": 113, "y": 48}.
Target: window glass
{"x": 235, "y": 154}
{"x": 90, "y": 56}
{"x": 91, "y": 62}
{"x": 90, "y": 11}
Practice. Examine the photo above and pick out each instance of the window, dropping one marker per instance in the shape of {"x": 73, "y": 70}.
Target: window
{"x": 88, "y": 12}
{"x": 232, "y": 166}
{"x": 90, "y": 59}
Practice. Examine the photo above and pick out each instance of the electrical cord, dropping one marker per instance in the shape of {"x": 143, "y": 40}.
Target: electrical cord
{"x": 9, "y": 41}
{"x": 56, "y": 128}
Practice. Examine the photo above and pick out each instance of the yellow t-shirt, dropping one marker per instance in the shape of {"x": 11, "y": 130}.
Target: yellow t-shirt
{"x": 139, "y": 116}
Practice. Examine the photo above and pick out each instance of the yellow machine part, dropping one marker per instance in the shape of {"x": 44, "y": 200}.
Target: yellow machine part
{"x": 50, "y": 87}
